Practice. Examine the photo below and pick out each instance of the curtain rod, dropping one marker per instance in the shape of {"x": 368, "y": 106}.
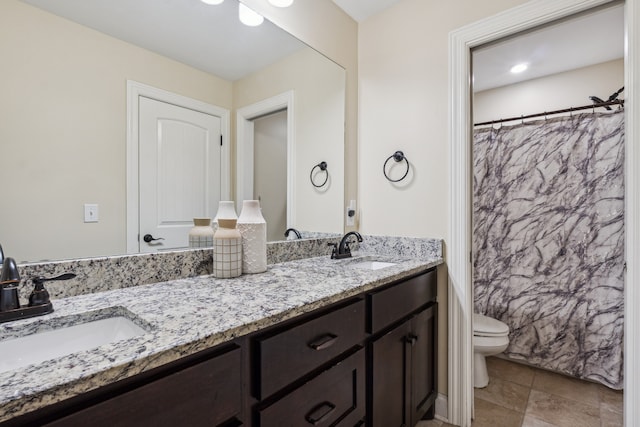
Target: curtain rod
{"x": 546, "y": 113}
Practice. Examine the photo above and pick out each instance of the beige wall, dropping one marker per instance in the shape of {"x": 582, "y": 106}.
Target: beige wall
{"x": 318, "y": 86}
{"x": 556, "y": 92}
{"x": 63, "y": 133}
{"x": 403, "y": 104}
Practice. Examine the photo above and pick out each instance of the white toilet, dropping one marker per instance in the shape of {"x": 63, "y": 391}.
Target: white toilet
{"x": 490, "y": 337}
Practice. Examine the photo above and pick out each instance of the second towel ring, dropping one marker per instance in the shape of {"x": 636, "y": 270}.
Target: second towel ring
{"x": 323, "y": 167}
{"x": 398, "y": 156}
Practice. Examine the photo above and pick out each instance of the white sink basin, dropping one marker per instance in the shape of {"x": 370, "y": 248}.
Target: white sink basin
{"x": 19, "y": 352}
{"x": 372, "y": 265}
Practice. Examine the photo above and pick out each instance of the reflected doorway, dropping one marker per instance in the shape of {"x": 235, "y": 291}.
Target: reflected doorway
{"x": 270, "y": 171}
{"x": 281, "y": 107}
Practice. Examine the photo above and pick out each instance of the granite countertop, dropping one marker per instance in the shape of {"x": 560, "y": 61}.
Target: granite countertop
{"x": 182, "y": 317}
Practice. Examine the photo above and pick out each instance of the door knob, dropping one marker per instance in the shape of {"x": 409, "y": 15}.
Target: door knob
{"x": 149, "y": 238}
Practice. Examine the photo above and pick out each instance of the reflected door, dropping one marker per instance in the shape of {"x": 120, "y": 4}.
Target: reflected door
{"x": 179, "y": 172}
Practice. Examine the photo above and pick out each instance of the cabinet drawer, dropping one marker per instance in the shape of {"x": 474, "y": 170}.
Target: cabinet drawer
{"x": 205, "y": 394}
{"x": 391, "y": 304}
{"x": 334, "y": 398}
{"x": 285, "y": 355}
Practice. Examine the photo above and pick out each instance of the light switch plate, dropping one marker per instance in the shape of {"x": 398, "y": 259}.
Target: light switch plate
{"x": 90, "y": 212}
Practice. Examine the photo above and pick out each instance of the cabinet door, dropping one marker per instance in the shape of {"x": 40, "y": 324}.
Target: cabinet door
{"x": 423, "y": 363}
{"x": 206, "y": 394}
{"x": 389, "y": 365}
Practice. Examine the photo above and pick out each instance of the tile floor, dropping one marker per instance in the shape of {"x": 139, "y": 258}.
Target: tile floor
{"x": 521, "y": 396}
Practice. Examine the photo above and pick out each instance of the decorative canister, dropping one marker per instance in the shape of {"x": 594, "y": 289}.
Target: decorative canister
{"x": 226, "y": 210}
{"x": 253, "y": 229}
{"x": 201, "y": 235}
{"x": 227, "y": 250}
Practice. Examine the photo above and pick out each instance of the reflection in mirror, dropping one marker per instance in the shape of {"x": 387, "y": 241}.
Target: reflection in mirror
{"x": 64, "y": 137}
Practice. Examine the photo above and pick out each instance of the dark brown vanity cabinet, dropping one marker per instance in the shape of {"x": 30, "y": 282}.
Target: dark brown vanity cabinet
{"x": 402, "y": 352}
{"x": 367, "y": 360}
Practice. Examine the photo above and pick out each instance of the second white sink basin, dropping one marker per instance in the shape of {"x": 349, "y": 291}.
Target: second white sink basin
{"x": 372, "y": 265}
{"x": 38, "y": 347}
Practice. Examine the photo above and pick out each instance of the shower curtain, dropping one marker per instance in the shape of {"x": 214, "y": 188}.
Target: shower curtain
{"x": 548, "y": 241}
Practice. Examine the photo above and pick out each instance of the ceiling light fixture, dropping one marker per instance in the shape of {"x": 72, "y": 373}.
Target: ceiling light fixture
{"x": 281, "y": 3}
{"x": 519, "y": 68}
{"x": 212, "y": 2}
{"x": 249, "y": 17}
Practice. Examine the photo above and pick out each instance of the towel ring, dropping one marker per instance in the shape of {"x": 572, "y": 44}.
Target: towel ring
{"x": 323, "y": 167}
{"x": 398, "y": 156}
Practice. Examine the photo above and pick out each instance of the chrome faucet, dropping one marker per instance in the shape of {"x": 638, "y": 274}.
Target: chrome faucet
{"x": 343, "y": 250}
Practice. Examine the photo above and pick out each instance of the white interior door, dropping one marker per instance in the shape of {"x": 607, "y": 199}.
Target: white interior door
{"x": 179, "y": 172}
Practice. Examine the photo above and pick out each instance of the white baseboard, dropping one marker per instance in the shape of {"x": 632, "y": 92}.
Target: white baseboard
{"x": 441, "y": 408}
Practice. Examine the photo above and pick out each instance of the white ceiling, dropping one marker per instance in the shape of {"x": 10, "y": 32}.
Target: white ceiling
{"x": 212, "y": 39}
{"x": 360, "y": 10}
{"x": 579, "y": 42}
{"x": 209, "y": 38}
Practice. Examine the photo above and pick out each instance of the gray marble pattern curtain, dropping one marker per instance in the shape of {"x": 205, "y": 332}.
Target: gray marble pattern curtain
{"x": 548, "y": 241}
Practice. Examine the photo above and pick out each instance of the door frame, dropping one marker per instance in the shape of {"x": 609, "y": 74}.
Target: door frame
{"x": 461, "y": 41}
{"x": 245, "y": 142}
{"x": 136, "y": 90}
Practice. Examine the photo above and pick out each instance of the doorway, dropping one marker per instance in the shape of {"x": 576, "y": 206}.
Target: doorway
{"x": 270, "y": 171}
{"x": 525, "y": 17}
{"x": 246, "y": 161}
{"x": 177, "y": 166}
{"x": 539, "y": 201}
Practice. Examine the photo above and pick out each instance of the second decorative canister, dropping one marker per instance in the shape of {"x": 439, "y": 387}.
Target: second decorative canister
{"x": 253, "y": 229}
{"x": 227, "y": 250}
{"x": 226, "y": 210}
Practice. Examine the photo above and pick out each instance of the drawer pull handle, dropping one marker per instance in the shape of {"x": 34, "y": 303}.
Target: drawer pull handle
{"x": 319, "y": 413}
{"x": 411, "y": 339}
{"x": 323, "y": 342}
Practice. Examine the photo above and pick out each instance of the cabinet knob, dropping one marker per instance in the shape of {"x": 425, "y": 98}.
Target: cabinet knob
{"x": 411, "y": 339}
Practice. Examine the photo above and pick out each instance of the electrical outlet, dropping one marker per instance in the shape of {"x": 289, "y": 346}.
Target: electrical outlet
{"x": 90, "y": 212}
{"x": 351, "y": 213}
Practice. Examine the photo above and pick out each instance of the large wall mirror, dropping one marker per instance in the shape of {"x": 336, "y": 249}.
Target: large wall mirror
{"x": 66, "y": 64}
